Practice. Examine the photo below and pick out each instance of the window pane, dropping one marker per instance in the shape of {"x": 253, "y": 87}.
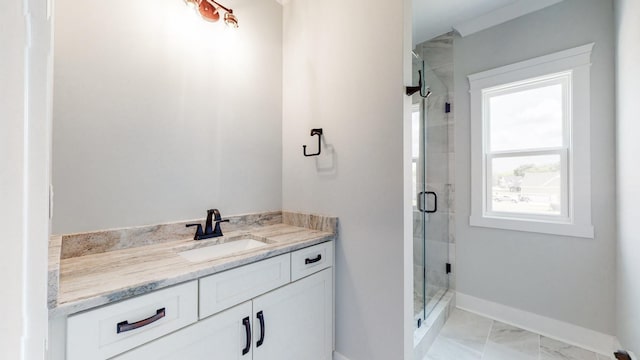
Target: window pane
{"x": 527, "y": 184}
{"x": 526, "y": 119}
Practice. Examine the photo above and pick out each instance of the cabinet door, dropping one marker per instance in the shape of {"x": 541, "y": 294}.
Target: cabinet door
{"x": 298, "y": 320}
{"x": 219, "y": 337}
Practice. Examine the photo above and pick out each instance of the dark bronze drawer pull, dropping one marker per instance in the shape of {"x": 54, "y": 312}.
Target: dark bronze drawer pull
{"x": 260, "y": 317}
{"x": 247, "y": 328}
{"x": 308, "y": 261}
{"x": 125, "y": 326}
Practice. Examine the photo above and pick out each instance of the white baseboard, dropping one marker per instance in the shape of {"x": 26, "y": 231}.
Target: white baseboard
{"x": 338, "y": 356}
{"x": 559, "y": 330}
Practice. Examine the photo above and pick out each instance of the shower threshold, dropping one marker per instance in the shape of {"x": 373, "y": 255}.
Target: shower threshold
{"x": 426, "y": 334}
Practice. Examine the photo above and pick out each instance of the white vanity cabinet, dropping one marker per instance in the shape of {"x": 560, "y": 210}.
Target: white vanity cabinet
{"x": 293, "y": 322}
{"x": 220, "y": 337}
{"x": 253, "y": 312}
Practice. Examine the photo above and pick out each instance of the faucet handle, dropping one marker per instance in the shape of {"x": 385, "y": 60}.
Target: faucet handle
{"x": 217, "y": 230}
{"x": 199, "y": 232}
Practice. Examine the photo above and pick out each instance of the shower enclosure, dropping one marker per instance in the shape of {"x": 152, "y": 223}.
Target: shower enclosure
{"x": 431, "y": 184}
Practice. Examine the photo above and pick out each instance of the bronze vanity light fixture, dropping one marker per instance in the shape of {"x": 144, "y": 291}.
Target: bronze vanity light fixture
{"x": 210, "y": 11}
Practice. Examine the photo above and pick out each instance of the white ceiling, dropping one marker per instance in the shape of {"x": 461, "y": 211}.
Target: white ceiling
{"x": 436, "y": 17}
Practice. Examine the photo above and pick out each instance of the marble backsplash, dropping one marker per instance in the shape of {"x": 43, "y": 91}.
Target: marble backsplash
{"x": 311, "y": 221}
{"x": 75, "y": 245}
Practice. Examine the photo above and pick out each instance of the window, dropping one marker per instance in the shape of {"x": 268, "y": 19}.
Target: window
{"x": 526, "y": 148}
{"x": 530, "y": 144}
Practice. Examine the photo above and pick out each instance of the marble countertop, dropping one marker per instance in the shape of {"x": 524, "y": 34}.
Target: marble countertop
{"x": 80, "y": 280}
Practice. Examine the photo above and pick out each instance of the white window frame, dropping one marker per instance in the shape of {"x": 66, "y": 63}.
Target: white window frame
{"x": 575, "y": 217}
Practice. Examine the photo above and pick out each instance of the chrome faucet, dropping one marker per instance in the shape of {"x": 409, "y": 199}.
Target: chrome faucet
{"x": 209, "y": 230}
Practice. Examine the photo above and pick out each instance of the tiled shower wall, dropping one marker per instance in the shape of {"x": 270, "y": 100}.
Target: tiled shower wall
{"x": 438, "y": 56}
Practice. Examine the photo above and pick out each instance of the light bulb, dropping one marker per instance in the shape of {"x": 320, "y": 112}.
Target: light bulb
{"x": 231, "y": 20}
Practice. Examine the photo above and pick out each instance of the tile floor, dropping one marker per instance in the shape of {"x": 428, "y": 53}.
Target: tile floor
{"x": 467, "y": 336}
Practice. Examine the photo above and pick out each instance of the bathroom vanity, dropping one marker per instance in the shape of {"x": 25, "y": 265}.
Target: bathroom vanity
{"x": 269, "y": 297}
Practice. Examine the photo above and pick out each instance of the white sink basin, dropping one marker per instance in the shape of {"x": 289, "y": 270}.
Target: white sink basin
{"x": 221, "y": 250}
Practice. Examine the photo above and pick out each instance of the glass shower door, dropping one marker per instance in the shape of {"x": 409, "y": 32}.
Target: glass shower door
{"x": 430, "y": 186}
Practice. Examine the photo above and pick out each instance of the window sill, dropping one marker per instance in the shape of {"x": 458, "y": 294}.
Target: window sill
{"x": 542, "y": 227}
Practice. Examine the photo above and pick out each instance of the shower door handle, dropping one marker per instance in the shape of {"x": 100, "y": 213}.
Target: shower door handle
{"x": 435, "y": 202}
{"x": 422, "y": 195}
{"x": 420, "y": 202}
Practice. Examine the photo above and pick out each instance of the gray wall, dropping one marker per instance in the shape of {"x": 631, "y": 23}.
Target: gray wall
{"x": 337, "y": 78}
{"x": 628, "y": 130}
{"x": 565, "y": 278}
{"x": 160, "y": 115}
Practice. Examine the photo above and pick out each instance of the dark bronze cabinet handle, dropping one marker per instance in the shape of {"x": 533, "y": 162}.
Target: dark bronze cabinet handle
{"x": 260, "y": 317}
{"x": 308, "y": 261}
{"x": 124, "y": 326}
{"x": 247, "y": 328}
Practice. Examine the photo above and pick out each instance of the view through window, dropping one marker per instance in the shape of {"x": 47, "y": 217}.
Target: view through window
{"x": 526, "y": 148}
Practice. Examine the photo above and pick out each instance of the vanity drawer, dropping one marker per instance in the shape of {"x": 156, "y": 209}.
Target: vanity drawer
{"x": 307, "y": 261}
{"x": 113, "y": 329}
{"x": 226, "y": 289}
